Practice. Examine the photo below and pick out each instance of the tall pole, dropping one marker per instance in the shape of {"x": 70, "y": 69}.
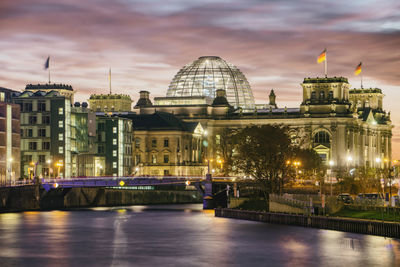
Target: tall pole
{"x": 326, "y": 64}
{"x": 361, "y": 76}
{"x": 109, "y": 80}
{"x": 49, "y": 73}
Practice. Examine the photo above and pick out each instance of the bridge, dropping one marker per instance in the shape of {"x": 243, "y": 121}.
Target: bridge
{"x": 212, "y": 189}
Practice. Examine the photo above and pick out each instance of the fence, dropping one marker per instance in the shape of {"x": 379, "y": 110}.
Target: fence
{"x": 347, "y": 225}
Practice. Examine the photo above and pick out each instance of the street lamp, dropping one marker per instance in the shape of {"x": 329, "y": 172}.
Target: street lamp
{"x": 59, "y": 165}
{"x": 49, "y": 162}
{"x": 331, "y": 163}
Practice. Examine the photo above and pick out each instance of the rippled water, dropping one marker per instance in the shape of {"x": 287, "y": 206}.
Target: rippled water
{"x": 178, "y": 235}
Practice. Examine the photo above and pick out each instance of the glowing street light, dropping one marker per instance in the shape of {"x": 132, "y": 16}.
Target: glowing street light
{"x": 331, "y": 163}
{"x": 59, "y": 165}
{"x": 49, "y": 162}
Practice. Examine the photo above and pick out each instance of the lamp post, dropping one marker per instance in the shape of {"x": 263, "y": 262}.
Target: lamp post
{"x": 59, "y": 165}
{"x": 349, "y": 160}
{"x": 49, "y": 162}
{"x": 330, "y": 174}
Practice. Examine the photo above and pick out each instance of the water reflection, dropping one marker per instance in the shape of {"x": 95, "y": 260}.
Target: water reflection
{"x": 181, "y": 235}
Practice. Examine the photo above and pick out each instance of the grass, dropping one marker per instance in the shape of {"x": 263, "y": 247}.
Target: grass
{"x": 255, "y": 205}
{"x": 368, "y": 215}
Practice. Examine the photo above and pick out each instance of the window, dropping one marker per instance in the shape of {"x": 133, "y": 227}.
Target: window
{"x": 114, "y": 141}
{"x": 42, "y": 158}
{"x": 114, "y": 164}
{"x": 32, "y": 119}
{"x": 154, "y": 158}
{"x": 137, "y": 143}
{"x": 60, "y": 137}
{"x": 166, "y": 158}
{"x": 217, "y": 139}
{"x": 322, "y": 95}
{"x": 137, "y": 159}
{"x": 46, "y": 120}
{"x": 313, "y": 95}
{"x": 101, "y": 126}
{"x": 30, "y": 133}
{"x": 154, "y": 143}
{"x": 32, "y": 145}
{"x": 41, "y": 106}
{"x": 45, "y": 145}
{"x": 28, "y": 159}
{"x": 60, "y": 124}
{"x": 100, "y": 149}
{"x": 166, "y": 143}
{"x": 27, "y": 107}
{"x": 60, "y": 111}
{"x": 330, "y": 95}
{"x": 42, "y": 132}
{"x": 322, "y": 137}
{"x": 114, "y": 153}
{"x": 114, "y": 129}
{"x": 61, "y": 150}
{"x": 166, "y": 172}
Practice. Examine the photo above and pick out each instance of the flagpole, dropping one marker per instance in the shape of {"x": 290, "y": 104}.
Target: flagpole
{"x": 326, "y": 64}
{"x": 361, "y": 76}
{"x": 49, "y": 73}
{"x": 109, "y": 80}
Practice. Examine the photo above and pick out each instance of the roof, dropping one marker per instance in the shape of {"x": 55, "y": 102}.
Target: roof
{"x": 110, "y": 96}
{"x": 365, "y": 91}
{"x": 326, "y": 80}
{"x": 39, "y": 93}
{"x": 161, "y": 121}
{"x": 48, "y": 86}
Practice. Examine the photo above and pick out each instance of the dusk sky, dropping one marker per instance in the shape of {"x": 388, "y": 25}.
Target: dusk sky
{"x": 146, "y": 42}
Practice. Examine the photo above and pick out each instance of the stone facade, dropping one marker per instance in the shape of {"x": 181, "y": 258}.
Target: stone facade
{"x": 327, "y": 121}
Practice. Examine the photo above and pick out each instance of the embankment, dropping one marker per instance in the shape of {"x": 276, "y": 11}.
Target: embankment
{"x": 36, "y": 198}
{"x": 340, "y": 224}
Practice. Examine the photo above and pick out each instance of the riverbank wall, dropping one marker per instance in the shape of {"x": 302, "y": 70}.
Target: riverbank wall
{"x": 386, "y": 229}
{"x": 36, "y": 198}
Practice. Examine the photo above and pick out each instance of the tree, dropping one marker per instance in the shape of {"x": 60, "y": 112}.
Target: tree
{"x": 262, "y": 152}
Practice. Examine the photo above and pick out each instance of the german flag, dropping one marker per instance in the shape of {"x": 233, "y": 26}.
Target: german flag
{"x": 358, "y": 69}
{"x": 322, "y": 56}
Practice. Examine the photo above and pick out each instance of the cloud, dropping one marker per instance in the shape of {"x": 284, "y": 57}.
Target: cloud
{"x": 146, "y": 42}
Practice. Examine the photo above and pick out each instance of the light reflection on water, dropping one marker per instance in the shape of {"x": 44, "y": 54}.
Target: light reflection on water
{"x": 178, "y": 235}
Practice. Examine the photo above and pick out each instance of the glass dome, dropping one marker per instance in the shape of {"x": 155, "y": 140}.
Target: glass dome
{"x": 204, "y": 76}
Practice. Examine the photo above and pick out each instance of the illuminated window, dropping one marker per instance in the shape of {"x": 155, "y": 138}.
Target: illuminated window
{"x": 114, "y": 129}
{"x": 60, "y": 111}
{"x": 61, "y": 150}
{"x": 114, "y": 164}
{"x": 154, "y": 158}
{"x": 60, "y": 124}
{"x": 60, "y": 137}
{"x": 114, "y": 153}
{"x": 114, "y": 141}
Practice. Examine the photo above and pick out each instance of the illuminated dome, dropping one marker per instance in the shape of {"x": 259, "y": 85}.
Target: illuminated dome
{"x": 204, "y": 76}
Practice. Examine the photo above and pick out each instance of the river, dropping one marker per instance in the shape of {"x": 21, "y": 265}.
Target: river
{"x": 178, "y": 235}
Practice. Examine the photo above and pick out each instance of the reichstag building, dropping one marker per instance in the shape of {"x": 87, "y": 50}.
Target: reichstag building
{"x": 348, "y": 127}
